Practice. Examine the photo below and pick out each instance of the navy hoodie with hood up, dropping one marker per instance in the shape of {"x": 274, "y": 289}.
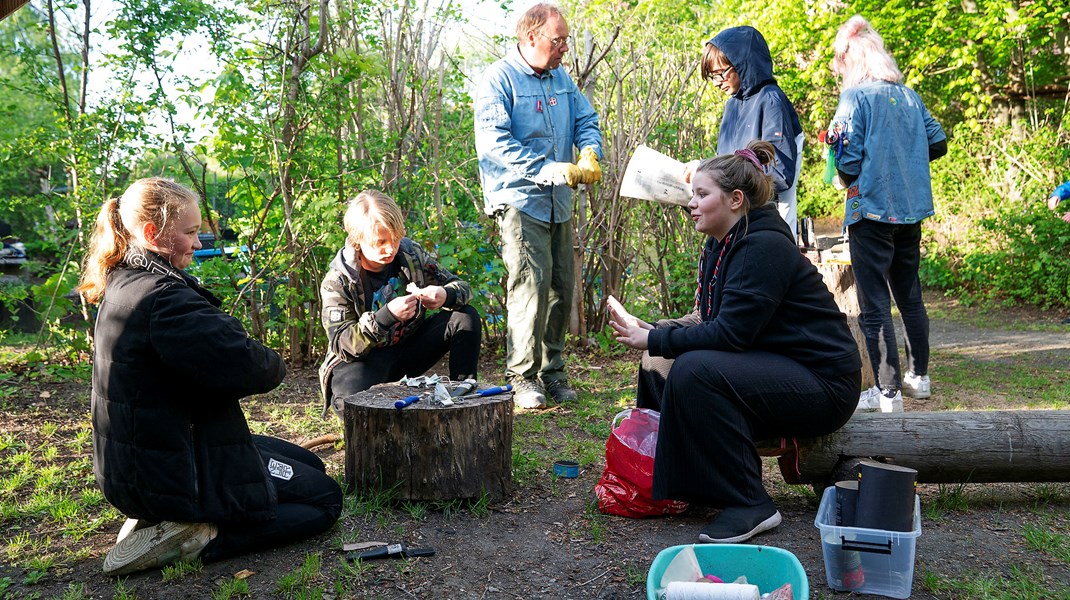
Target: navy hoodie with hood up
{"x": 759, "y": 109}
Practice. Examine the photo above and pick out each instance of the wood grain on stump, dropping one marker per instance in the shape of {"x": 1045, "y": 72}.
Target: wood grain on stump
{"x": 428, "y": 452}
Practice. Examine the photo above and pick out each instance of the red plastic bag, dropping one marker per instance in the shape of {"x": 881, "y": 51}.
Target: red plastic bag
{"x": 625, "y": 486}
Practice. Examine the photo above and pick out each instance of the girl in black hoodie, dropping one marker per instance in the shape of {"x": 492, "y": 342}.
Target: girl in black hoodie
{"x": 766, "y": 353}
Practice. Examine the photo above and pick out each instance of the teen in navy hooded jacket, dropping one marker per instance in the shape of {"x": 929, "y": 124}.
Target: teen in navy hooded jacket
{"x": 737, "y": 60}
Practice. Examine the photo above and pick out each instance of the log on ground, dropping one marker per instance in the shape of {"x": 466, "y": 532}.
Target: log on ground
{"x": 944, "y": 446}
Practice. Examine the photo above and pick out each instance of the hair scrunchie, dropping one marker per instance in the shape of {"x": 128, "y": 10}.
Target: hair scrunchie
{"x": 749, "y": 154}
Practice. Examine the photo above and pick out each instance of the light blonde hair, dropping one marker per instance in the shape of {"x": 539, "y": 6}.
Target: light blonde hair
{"x": 372, "y": 209}
{"x": 860, "y": 55}
{"x": 738, "y": 172}
{"x": 151, "y": 200}
{"x": 535, "y": 17}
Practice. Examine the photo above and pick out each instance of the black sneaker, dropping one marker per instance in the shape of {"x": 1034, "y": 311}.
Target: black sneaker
{"x": 561, "y": 391}
{"x": 740, "y": 523}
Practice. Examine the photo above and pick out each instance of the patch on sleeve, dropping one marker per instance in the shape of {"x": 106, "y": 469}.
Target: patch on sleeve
{"x": 335, "y": 315}
{"x": 280, "y": 470}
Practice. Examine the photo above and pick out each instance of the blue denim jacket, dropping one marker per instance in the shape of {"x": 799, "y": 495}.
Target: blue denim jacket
{"x": 888, "y": 133}
{"x": 524, "y": 121}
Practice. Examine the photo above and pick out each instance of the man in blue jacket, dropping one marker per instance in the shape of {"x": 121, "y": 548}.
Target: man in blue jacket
{"x": 529, "y": 115}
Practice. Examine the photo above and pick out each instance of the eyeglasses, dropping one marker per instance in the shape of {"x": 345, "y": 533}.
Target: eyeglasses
{"x": 720, "y": 76}
{"x": 555, "y": 43}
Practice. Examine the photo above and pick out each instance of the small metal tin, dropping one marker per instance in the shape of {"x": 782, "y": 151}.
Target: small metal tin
{"x": 568, "y": 469}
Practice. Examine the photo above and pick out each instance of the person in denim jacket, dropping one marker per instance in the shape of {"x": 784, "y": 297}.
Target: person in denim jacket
{"x": 885, "y": 141}
{"x": 529, "y": 115}
{"x": 380, "y": 300}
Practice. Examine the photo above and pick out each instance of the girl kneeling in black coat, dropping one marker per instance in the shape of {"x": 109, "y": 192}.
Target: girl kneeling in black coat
{"x": 171, "y": 448}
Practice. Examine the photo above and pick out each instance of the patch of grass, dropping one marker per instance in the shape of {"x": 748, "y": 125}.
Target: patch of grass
{"x": 299, "y": 584}
{"x": 122, "y": 592}
{"x": 634, "y": 576}
{"x": 596, "y": 523}
{"x": 1046, "y": 539}
{"x": 370, "y": 502}
{"x": 351, "y": 574}
{"x": 480, "y": 507}
{"x": 448, "y": 508}
{"x": 1028, "y": 383}
{"x": 949, "y": 498}
{"x": 1023, "y": 584}
{"x": 416, "y": 510}
{"x": 1050, "y": 493}
{"x": 74, "y": 592}
{"x": 182, "y": 569}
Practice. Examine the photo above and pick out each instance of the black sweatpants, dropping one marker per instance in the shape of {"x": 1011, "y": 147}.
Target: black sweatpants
{"x": 714, "y": 405}
{"x": 455, "y": 331}
{"x": 310, "y": 501}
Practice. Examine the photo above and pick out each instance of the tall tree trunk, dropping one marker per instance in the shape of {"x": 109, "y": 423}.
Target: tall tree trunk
{"x": 301, "y": 52}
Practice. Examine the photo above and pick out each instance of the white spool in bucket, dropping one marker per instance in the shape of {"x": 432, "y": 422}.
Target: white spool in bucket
{"x": 687, "y": 590}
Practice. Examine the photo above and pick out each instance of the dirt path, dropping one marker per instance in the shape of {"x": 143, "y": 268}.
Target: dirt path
{"x": 994, "y": 344}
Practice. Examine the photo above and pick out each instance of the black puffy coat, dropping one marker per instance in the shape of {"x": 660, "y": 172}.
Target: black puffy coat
{"x": 170, "y": 441}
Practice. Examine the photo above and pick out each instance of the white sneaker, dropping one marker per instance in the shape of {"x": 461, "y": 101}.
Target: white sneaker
{"x": 130, "y": 526}
{"x": 872, "y": 400}
{"x": 916, "y": 386}
{"x": 157, "y": 546}
{"x": 528, "y": 393}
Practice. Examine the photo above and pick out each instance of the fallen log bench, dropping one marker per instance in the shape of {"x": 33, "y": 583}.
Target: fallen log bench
{"x": 426, "y": 451}
{"x": 944, "y": 447}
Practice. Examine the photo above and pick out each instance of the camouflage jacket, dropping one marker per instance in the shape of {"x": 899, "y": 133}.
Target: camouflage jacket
{"x": 356, "y": 319}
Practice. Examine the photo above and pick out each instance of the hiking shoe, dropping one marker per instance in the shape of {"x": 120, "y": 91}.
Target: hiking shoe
{"x": 740, "y": 523}
{"x": 162, "y": 544}
{"x": 131, "y": 526}
{"x": 561, "y": 391}
{"x": 528, "y": 393}
{"x": 874, "y": 400}
{"x": 916, "y": 386}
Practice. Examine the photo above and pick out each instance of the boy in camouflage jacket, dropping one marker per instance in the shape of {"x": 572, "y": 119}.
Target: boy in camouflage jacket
{"x": 379, "y": 301}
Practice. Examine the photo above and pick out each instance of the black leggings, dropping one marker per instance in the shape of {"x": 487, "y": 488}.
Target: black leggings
{"x": 885, "y": 259}
{"x": 714, "y": 405}
{"x": 310, "y": 501}
{"x": 457, "y": 332}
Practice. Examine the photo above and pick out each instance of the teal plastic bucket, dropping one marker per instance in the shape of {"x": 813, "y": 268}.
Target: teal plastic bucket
{"x": 764, "y": 566}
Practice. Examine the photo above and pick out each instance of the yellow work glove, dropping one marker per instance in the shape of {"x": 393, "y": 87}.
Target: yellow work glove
{"x": 561, "y": 172}
{"x": 590, "y": 172}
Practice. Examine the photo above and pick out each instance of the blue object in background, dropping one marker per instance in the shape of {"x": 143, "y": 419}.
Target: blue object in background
{"x": 205, "y": 253}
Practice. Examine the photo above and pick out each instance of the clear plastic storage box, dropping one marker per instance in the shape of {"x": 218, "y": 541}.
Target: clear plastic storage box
{"x": 867, "y": 561}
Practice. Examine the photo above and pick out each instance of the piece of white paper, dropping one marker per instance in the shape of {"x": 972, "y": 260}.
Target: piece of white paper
{"x": 651, "y": 175}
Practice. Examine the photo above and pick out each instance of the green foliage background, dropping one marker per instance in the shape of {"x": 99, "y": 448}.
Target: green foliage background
{"x": 303, "y": 109}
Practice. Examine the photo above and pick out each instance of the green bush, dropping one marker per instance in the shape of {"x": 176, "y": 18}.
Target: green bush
{"x": 1026, "y": 261}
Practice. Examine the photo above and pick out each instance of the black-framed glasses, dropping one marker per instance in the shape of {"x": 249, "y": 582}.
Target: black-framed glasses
{"x": 721, "y": 75}
{"x": 555, "y": 43}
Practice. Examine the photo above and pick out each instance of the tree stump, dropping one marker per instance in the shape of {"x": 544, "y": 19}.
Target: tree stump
{"x": 428, "y": 452}
{"x": 840, "y": 280}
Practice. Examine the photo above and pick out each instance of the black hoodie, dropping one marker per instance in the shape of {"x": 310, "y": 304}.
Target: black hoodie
{"x": 767, "y": 296}
{"x": 759, "y": 109}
